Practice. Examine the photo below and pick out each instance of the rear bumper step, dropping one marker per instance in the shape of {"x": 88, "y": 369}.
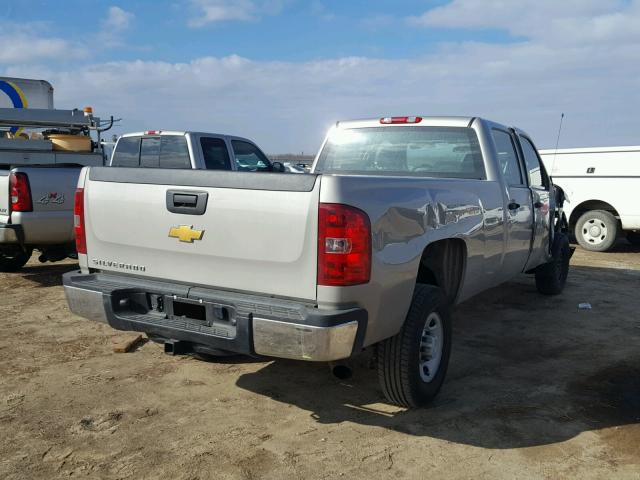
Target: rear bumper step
{"x": 216, "y": 319}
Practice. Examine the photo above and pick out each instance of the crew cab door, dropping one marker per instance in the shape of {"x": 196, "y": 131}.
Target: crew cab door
{"x": 539, "y": 185}
{"x": 518, "y": 208}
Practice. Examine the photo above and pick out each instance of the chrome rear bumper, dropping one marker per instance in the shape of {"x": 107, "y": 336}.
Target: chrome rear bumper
{"x": 303, "y": 342}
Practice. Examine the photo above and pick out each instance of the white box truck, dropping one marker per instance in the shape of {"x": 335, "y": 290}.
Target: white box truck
{"x": 603, "y": 192}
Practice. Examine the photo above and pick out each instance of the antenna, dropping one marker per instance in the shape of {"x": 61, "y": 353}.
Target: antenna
{"x": 553, "y": 165}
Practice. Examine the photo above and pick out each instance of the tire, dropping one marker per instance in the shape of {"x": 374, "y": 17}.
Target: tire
{"x": 552, "y": 277}
{"x": 633, "y": 238}
{"x": 14, "y": 259}
{"x": 597, "y": 230}
{"x": 403, "y": 363}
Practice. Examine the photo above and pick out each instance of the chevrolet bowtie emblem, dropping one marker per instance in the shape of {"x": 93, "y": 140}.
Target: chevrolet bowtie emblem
{"x": 186, "y": 233}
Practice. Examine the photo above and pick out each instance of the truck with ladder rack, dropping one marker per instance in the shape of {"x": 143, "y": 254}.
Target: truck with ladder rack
{"x": 42, "y": 151}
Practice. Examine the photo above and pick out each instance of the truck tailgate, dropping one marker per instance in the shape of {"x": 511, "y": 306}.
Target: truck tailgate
{"x": 257, "y": 232}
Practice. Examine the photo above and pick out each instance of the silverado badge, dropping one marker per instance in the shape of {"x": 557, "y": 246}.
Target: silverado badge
{"x": 186, "y": 233}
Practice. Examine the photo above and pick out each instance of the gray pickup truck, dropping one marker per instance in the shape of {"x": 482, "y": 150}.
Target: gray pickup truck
{"x": 400, "y": 219}
{"x": 38, "y": 180}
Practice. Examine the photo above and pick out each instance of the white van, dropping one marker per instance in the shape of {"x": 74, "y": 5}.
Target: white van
{"x": 603, "y": 192}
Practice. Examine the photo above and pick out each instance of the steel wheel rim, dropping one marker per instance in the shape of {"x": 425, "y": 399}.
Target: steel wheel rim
{"x": 431, "y": 343}
{"x": 594, "y": 231}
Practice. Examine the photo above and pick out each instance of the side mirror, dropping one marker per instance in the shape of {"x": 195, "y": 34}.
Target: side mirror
{"x": 277, "y": 167}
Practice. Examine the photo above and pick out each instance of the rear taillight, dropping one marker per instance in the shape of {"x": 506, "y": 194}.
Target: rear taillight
{"x": 20, "y": 193}
{"x": 78, "y": 221}
{"x": 344, "y": 245}
{"x": 399, "y": 120}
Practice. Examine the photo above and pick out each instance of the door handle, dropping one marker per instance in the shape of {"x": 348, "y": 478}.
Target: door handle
{"x": 513, "y": 205}
{"x": 538, "y": 205}
{"x": 187, "y": 202}
{"x": 182, "y": 200}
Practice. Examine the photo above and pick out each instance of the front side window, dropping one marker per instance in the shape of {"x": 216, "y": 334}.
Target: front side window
{"x": 531, "y": 159}
{"x": 249, "y": 157}
{"x": 214, "y": 151}
{"x": 127, "y": 152}
{"x": 443, "y": 152}
{"x": 507, "y": 157}
{"x": 174, "y": 152}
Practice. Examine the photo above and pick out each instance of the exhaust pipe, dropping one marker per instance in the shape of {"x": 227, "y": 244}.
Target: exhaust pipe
{"x": 341, "y": 371}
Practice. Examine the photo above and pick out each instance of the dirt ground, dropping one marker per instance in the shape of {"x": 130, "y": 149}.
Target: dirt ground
{"x": 537, "y": 388}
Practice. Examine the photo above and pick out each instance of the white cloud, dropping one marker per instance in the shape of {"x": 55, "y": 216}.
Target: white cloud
{"x": 217, "y": 11}
{"x": 546, "y": 21}
{"x": 114, "y": 26}
{"x": 26, "y": 43}
{"x": 117, "y": 19}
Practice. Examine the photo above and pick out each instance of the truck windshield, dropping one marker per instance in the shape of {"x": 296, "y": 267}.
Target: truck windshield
{"x": 443, "y": 152}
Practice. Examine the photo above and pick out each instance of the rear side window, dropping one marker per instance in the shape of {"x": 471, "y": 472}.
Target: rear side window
{"x": 127, "y": 152}
{"x": 215, "y": 153}
{"x": 150, "y": 152}
{"x": 507, "y": 157}
{"x": 442, "y": 152}
{"x": 249, "y": 158}
{"x": 174, "y": 152}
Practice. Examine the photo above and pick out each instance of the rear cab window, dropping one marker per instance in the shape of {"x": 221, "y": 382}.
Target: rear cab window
{"x": 441, "y": 152}
{"x": 126, "y": 153}
{"x": 159, "y": 151}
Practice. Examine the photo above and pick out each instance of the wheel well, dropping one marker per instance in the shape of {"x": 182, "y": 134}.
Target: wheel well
{"x": 588, "y": 206}
{"x": 443, "y": 264}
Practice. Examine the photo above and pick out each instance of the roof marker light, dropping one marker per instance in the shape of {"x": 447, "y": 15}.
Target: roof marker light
{"x": 399, "y": 120}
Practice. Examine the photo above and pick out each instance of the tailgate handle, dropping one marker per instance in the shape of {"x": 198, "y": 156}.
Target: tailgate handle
{"x": 187, "y": 202}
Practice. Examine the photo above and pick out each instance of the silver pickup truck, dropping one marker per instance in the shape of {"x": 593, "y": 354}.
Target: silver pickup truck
{"x": 38, "y": 178}
{"x": 400, "y": 219}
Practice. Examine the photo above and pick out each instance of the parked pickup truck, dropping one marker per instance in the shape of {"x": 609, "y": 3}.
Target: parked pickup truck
{"x": 400, "y": 219}
{"x": 38, "y": 177}
{"x": 196, "y": 150}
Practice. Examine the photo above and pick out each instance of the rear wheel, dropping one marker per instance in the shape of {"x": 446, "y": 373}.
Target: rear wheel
{"x": 13, "y": 259}
{"x": 552, "y": 277}
{"x": 634, "y": 238}
{"x": 412, "y": 365}
{"x": 597, "y": 230}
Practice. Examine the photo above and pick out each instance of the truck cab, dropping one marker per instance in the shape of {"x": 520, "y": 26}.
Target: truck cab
{"x": 190, "y": 150}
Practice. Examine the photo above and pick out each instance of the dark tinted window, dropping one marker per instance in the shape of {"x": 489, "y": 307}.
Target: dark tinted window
{"x": 174, "y": 152}
{"x": 445, "y": 152}
{"x": 533, "y": 163}
{"x": 216, "y": 155}
{"x": 127, "y": 152}
{"x": 150, "y": 152}
{"x": 248, "y": 157}
{"x": 507, "y": 157}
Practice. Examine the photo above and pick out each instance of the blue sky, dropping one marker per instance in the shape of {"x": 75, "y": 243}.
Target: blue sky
{"x": 281, "y": 71}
